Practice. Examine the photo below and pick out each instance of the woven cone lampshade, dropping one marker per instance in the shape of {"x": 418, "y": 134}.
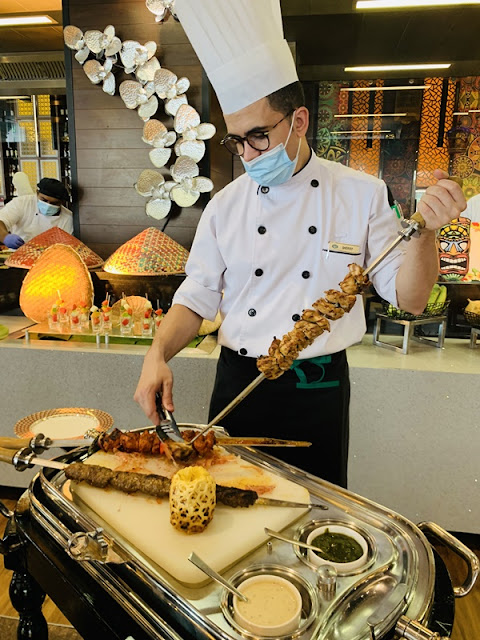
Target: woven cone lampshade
{"x": 150, "y": 253}
{"x": 58, "y": 270}
{"x": 28, "y": 254}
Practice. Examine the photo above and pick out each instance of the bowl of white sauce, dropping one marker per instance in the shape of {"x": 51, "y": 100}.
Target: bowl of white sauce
{"x": 274, "y": 606}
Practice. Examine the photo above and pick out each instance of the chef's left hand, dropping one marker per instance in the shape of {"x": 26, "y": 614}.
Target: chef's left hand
{"x": 441, "y": 202}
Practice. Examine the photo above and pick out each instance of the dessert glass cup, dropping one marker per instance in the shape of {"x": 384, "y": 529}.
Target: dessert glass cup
{"x": 107, "y": 320}
{"x": 147, "y": 326}
{"x": 126, "y": 325}
{"x": 97, "y": 323}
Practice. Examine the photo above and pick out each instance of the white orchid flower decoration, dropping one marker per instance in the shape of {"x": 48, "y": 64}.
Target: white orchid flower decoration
{"x": 98, "y": 73}
{"x": 73, "y": 37}
{"x": 156, "y": 134}
{"x": 135, "y": 95}
{"x": 141, "y": 94}
{"x": 187, "y": 124}
{"x": 161, "y": 8}
{"x": 152, "y": 184}
{"x": 171, "y": 89}
{"x": 133, "y": 54}
{"x": 146, "y": 72}
{"x": 106, "y": 41}
{"x": 187, "y": 185}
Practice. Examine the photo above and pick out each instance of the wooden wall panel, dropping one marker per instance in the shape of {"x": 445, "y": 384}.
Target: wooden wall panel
{"x": 110, "y": 151}
{"x": 136, "y": 215}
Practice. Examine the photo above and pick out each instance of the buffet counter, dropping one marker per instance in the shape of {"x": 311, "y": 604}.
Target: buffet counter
{"x": 414, "y": 434}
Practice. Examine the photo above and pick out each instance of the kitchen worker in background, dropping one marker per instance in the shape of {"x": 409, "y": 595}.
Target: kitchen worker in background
{"x": 271, "y": 242}
{"x": 25, "y": 217}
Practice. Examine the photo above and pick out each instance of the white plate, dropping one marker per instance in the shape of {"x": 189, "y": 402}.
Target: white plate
{"x": 64, "y": 423}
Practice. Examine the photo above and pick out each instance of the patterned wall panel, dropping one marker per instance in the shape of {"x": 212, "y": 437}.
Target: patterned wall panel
{"x": 460, "y": 259}
{"x": 399, "y": 161}
{"x": 464, "y": 137}
{"x": 331, "y": 144}
{"x": 430, "y": 155}
{"x": 30, "y": 167}
{"x": 362, "y": 156}
{"x": 50, "y": 169}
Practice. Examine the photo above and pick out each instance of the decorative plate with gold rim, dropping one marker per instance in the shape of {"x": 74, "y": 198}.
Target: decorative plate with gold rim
{"x": 64, "y": 423}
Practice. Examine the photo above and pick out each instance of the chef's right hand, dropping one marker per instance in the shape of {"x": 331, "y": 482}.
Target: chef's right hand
{"x": 156, "y": 377}
{"x": 12, "y": 241}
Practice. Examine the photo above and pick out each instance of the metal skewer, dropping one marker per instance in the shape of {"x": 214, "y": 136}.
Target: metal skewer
{"x": 412, "y": 226}
{"x": 25, "y": 458}
{"x": 241, "y": 396}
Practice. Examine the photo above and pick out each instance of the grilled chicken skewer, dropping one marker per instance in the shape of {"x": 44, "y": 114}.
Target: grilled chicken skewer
{"x": 313, "y": 323}
{"x": 146, "y": 441}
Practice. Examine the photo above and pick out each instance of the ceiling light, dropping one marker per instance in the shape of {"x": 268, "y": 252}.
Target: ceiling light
{"x": 405, "y": 4}
{"x": 22, "y": 21}
{"x": 14, "y": 97}
{"x": 399, "y": 67}
{"x": 361, "y": 131}
{"x": 366, "y": 115}
{"x": 399, "y": 88}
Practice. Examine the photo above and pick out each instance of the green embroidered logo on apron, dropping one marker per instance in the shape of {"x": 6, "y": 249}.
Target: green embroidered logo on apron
{"x": 319, "y": 382}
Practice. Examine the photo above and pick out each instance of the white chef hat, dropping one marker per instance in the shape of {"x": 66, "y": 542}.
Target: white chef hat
{"x": 241, "y": 46}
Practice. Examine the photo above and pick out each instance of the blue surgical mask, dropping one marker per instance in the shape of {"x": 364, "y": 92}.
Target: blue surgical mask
{"x": 273, "y": 167}
{"x": 47, "y": 209}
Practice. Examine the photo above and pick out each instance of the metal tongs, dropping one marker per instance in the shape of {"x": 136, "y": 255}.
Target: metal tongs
{"x": 167, "y": 428}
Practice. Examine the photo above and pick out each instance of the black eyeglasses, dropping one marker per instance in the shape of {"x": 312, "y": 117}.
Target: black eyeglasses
{"x": 258, "y": 140}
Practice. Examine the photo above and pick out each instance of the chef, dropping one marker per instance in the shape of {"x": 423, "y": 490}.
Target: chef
{"x": 270, "y": 243}
{"x": 25, "y": 217}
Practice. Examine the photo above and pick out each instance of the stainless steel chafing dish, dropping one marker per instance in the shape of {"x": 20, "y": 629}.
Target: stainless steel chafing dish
{"x": 391, "y": 596}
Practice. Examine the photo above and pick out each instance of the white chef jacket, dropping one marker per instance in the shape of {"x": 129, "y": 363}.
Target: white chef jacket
{"x": 473, "y": 209}
{"x": 269, "y": 249}
{"x": 21, "y": 217}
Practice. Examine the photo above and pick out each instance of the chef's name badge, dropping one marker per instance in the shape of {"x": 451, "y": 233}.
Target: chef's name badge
{"x": 341, "y": 247}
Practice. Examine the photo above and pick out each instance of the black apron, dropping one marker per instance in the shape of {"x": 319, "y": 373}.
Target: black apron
{"x": 310, "y": 402}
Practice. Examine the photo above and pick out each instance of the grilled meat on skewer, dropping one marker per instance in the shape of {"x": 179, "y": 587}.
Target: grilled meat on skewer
{"x": 344, "y": 300}
{"x": 355, "y": 281}
{"x": 282, "y": 353}
{"x": 327, "y": 309}
{"x": 148, "y": 442}
{"x": 150, "y": 484}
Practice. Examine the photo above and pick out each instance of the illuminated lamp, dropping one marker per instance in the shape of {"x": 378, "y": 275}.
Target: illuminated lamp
{"x": 27, "y": 255}
{"x": 150, "y": 253}
{"x": 58, "y": 270}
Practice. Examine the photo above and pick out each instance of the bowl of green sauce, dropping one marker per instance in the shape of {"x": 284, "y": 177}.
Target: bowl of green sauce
{"x": 337, "y": 545}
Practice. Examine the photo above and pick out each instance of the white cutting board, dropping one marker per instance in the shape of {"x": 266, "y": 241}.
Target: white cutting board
{"x": 145, "y": 521}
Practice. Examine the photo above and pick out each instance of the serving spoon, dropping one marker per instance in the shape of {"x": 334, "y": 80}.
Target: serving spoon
{"x": 298, "y": 543}
{"x": 211, "y": 573}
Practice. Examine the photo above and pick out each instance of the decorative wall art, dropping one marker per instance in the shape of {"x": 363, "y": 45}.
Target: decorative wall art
{"x": 101, "y": 53}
